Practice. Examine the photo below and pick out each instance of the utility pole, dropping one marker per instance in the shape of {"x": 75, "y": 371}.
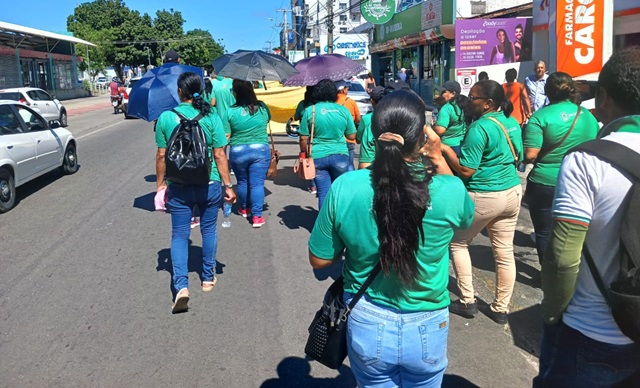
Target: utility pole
{"x": 285, "y": 39}
{"x": 269, "y": 42}
{"x": 330, "y": 26}
{"x": 304, "y": 24}
{"x": 317, "y": 27}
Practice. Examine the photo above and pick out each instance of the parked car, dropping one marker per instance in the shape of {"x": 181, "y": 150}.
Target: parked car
{"x": 48, "y": 106}
{"x": 357, "y": 93}
{"x": 30, "y": 146}
{"x": 125, "y": 101}
{"x": 102, "y": 82}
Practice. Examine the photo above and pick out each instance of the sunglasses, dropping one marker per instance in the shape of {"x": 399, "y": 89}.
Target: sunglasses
{"x": 473, "y": 98}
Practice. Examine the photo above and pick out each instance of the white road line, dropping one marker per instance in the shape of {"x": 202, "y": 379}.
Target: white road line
{"x": 99, "y": 130}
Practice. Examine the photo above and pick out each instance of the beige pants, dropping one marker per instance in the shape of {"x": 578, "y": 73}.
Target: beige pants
{"x": 498, "y": 212}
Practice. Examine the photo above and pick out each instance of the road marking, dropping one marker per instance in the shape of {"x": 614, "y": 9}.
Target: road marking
{"x": 99, "y": 130}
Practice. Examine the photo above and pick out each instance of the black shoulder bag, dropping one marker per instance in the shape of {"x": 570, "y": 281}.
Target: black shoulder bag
{"x": 327, "y": 342}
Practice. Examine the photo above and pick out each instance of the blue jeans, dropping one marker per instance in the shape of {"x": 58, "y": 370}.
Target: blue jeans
{"x": 328, "y": 169}
{"x": 388, "y": 348}
{"x": 182, "y": 200}
{"x": 539, "y": 198}
{"x": 250, "y": 163}
{"x": 352, "y": 149}
{"x": 570, "y": 359}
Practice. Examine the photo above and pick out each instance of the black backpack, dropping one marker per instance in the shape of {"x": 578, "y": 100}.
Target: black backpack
{"x": 187, "y": 157}
{"x": 623, "y": 295}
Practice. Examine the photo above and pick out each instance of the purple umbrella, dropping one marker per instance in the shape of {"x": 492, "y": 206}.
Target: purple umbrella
{"x": 326, "y": 66}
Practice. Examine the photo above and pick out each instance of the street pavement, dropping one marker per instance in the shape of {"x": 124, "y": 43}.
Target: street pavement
{"x": 85, "y": 289}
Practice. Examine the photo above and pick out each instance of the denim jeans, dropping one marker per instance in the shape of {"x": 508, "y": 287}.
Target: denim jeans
{"x": 351, "y": 147}
{"x": 182, "y": 200}
{"x": 328, "y": 169}
{"x": 250, "y": 163}
{"x": 388, "y": 348}
{"x": 570, "y": 359}
{"x": 539, "y": 198}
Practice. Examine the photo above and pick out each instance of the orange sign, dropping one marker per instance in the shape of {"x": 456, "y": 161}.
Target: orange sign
{"x": 580, "y": 36}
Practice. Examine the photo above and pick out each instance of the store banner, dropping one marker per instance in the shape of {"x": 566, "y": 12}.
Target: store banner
{"x": 541, "y": 14}
{"x": 581, "y": 33}
{"x": 481, "y": 42}
{"x": 431, "y": 14}
{"x": 377, "y": 11}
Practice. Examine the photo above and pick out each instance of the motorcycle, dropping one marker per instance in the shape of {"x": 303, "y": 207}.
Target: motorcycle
{"x": 116, "y": 102}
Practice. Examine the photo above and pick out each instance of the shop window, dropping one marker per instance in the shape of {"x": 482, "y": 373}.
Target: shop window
{"x": 343, "y": 6}
{"x": 343, "y": 18}
{"x": 355, "y": 17}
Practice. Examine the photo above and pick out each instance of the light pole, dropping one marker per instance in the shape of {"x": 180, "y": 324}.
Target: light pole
{"x": 148, "y": 54}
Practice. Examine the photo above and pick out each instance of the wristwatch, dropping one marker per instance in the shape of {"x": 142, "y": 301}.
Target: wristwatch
{"x": 229, "y": 185}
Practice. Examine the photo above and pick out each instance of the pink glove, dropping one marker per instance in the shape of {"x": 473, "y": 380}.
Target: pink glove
{"x": 160, "y": 200}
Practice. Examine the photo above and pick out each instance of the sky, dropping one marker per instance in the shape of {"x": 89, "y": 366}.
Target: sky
{"x": 248, "y": 24}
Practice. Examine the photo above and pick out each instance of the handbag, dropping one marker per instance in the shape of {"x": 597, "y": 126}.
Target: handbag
{"x": 327, "y": 342}
{"x": 275, "y": 157}
{"x": 304, "y": 166}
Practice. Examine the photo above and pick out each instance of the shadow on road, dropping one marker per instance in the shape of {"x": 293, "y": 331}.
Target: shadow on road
{"x": 294, "y": 372}
{"x": 526, "y": 329}
{"x": 482, "y": 258}
{"x": 194, "y": 263}
{"x": 150, "y": 178}
{"x": 296, "y": 217}
{"x": 145, "y": 202}
{"x": 455, "y": 381}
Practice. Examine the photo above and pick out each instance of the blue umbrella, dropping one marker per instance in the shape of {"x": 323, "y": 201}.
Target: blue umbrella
{"x": 157, "y": 91}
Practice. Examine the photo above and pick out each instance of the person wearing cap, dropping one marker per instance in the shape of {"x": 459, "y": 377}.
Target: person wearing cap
{"x": 343, "y": 90}
{"x": 402, "y": 74}
{"x": 451, "y": 124}
{"x": 364, "y": 136}
{"x": 172, "y": 56}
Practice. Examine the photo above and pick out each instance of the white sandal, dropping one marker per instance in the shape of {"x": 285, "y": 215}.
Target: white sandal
{"x": 182, "y": 301}
{"x": 207, "y": 285}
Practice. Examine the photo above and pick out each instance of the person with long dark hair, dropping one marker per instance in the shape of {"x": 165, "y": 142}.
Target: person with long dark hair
{"x": 550, "y": 133}
{"x": 332, "y": 123}
{"x": 504, "y": 51}
{"x": 183, "y": 198}
{"x": 245, "y": 122}
{"x": 451, "y": 124}
{"x": 487, "y": 165}
{"x": 398, "y": 214}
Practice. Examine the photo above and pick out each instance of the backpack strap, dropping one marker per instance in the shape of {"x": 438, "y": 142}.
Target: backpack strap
{"x": 183, "y": 117}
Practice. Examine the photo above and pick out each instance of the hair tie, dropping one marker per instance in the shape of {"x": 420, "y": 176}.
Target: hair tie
{"x": 196, "y": 95}
{"x": 391, "y": 137}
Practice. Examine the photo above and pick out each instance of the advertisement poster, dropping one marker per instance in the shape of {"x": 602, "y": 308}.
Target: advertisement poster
{"x": 541, "y": 14}
{"x": 431, "y": 14}
{"x": 466, "y": 78}
{"x": 481, "y": 42}
{"x": 581, "y": 35}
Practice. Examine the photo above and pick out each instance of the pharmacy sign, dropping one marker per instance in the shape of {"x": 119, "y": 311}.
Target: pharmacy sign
{"x": 378, "y": 11}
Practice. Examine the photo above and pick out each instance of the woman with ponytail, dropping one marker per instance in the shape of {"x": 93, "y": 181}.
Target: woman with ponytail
{"x": 487, "y": 164}
{"x": 398, "y": 214}
{"x": 183, "y": 198}
{"x": 245, "y": 122}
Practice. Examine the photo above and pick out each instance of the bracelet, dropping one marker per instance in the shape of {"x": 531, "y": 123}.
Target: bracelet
{"x": 229, "y": 185}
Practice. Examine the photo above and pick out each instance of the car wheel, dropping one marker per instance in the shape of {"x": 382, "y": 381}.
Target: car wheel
{"x": 7, "y": 191}
{"x": 70, "y": 162}
{"x": 63, "y": 118}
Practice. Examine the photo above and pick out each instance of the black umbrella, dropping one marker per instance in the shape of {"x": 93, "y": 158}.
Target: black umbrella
{"x": 222, "y": 61}
{"x": 256, "y": 66}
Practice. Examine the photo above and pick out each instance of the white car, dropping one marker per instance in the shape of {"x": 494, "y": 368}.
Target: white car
{"x": 102, "y": 82}
{"x": 125, "y": 98}
{"x": 357, "y": 93}
{"x": 49, "y": 107}
{"x": 30, "y": 146}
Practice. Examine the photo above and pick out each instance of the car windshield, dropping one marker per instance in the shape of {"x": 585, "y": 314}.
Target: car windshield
{"x": 356, "y": 87}
{"x": 15, "y": 96}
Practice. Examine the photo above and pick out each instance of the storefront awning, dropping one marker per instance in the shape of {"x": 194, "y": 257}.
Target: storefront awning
{"x": 17, "y": 36}
{"x": 421, "y": 38}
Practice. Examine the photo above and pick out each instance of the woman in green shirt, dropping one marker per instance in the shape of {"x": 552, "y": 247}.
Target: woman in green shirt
{"x": 245, "y": 122}
{"x": 451, "y": 124}
{"x": 487, "y": 165}
{"x": 399, "y": 215}
{"x": 550, "y": 133}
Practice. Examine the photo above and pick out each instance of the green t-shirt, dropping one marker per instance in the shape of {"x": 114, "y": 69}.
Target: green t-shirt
{"x": 299, "y": 110}
{"x": 332, "y": 123}
{"x": 211, "y": 125}
{"x": 347, "y": 220}
{"x": 547, "y": 127}
{"x": 451, "y": 118}
{"x": 486, "y": 150}
{"x": 246, "y": 128}
{"x": 222, "y": 92}
{"x": 367, "y": 141}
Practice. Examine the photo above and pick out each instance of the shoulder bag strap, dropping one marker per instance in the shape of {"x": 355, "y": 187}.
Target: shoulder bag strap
{"x": 558, "y": 144}
{"x": 273, "y": 144}
{"x": 596, "y": 275}
{"x": 313, "y": 124}
{"x": 367, "y": 283}
{"x": 506, "y": 135}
